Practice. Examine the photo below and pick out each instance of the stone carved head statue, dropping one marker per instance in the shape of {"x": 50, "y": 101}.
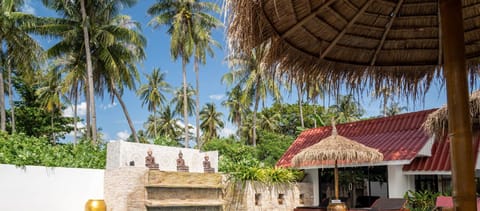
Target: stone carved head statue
{"x": 180, "y": 154}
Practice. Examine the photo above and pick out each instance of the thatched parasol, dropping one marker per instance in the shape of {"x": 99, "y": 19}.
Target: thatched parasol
{"x": 437, "y": 122}
{"x": 374, "y": 44}
{"x": 338, "y": 149}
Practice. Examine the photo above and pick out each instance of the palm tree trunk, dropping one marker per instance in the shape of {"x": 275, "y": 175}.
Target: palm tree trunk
{"x": 155, "y": 121}
{"x": 300, "y": 98}
{"x": 197, "y": 102}
{"x": 2, "y": 101}
{"x": 185, "y": 109}
{"x": 75, "y": 119}
{"x": 125, "y": 111}
{"x": 51, "y": 125}
{"x": 254, "y": 118}
{"x": 91, "y": 95}
{"x": 10, "y": 98}
{"x": 89, "y": 126}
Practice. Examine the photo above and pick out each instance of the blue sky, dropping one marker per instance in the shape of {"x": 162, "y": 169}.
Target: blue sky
{"x": 110, "y": 117}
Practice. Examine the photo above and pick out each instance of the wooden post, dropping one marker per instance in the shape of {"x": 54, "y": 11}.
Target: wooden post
{"x": 335, "y": 175}
{"x": 459, "y": 123}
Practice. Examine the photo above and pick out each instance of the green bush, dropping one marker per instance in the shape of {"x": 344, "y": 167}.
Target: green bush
{"x": 421, "y": 200}
{"x": 21, "y": 150}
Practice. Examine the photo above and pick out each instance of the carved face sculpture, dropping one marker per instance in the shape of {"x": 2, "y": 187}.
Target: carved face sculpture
{"x": 180, "y": 154}
{"x": 149, "y": 152}
{"x": 206, "y": 157}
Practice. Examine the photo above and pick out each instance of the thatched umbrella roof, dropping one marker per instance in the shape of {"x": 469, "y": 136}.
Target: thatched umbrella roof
{"x": 339, "y": 148}
{"x": 437, "y": 122}
{"x": 336, "y": 148}
{"x": 390, "y": 42}
{"x": 375, "y": 44}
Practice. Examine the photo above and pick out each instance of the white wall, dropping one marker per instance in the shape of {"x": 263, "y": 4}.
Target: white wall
{"x": 48, "y": 189}
{"x": 398, "y": 183}
{"x": 120, "y": 153}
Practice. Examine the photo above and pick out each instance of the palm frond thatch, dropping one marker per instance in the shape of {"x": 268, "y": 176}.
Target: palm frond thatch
{"x": 339, "y": 148}
{"x": 390, "y": 43}
{"x": 437, "y": 122}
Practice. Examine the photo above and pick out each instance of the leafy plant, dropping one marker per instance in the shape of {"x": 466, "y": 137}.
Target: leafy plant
{"x": 21, "y": 150}
{"x": 421, "y": 200}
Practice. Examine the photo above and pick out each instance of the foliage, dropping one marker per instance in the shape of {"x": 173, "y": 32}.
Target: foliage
{"x": 271, "y": 147}
{"x": 21, "y": 150}
{"x": 421, "y": 200}
{"x": 245, "y": 162}
{"x": 166, "y": 141}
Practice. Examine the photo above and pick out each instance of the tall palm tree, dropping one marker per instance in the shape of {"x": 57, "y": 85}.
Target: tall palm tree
{"x": 21, "y": 50}
{"x": 347, "y": 109}
{"x": 237, "y": 109}
{"x": 180, "y": 17}
{"x": 152, "y": 94}
{"x": 50, "y": 95}
{"x": 211, "y": 122}
{"x": 249, "y": 73}
{"x": 181, "y": 102}
{"x": 168, "y": 126}
{"x": 114, "y": 48}
{"x": 203, "y": 43}
{"x": 269, "y": 121}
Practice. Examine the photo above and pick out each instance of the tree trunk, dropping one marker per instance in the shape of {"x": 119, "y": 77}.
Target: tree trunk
{"x": 197, "y": 102}
{"x": 75, "y": 126}
{"x": 10, "y": 98}
{"x": 254, "y": 118}
{"x": 88, "y": 132}
{"x": 185, "y": 98}
{"x": 2, "y": 101}
{"x": 300, "y": 99}
{"x": 125, "y": 111}
{"x": 91, "y": 94}
{"x": 155, "y": 121}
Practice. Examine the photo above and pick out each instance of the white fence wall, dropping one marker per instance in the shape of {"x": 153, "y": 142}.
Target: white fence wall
{"x": 41, "y": 188}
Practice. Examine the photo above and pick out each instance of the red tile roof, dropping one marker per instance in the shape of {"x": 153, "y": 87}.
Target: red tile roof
{"x": 399, "y": 137}
{"x": 439, "y": 161}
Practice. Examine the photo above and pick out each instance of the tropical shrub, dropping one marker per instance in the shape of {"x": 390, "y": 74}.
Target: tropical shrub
{"x": 421, "y": 200}
{"x": 21, "y": 150}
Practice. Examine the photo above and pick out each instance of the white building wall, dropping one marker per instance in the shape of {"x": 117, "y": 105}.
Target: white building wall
{"x": 312, "y": 178}
{"x": 48, "y": 189}
{"x": 398, "y": 183}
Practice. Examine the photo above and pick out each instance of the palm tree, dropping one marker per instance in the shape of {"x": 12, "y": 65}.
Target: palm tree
{"x": 203, "y": 43}
{"x": 168, "y": 126}
{"x": 249, "y": 73}
{"x": 347, "y": 109}
{"x": 181, "y": 102}
{"x": 237, "y": 110}
{"x": 180, "y": 16}
{"x": 211, "y": 122}
{"x": 21, "y": 51}
{"x": 114, "y": 48}
{"x": 152, "y": 94}
{"x": 394, "y": 109}
{"x": 269, "y": 121}
{"x": 50, "y": 95}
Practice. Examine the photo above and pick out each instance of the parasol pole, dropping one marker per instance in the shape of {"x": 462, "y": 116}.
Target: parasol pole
{"x": 335, "y": 175}
{"x": 459, "y": 123}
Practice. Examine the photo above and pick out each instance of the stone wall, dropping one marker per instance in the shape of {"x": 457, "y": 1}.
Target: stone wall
{"x": 124, "y": 188}
{"x": 253, "y": 196}
{"x": 121, "y": 154}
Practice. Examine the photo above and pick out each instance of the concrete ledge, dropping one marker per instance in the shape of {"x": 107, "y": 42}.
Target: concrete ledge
{"x": 184, "y": 203}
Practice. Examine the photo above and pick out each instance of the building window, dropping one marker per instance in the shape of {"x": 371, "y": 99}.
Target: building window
{"x": 257, "y": 199}
{"x": 281, "y": 197}
{"x": 302, "y": 198}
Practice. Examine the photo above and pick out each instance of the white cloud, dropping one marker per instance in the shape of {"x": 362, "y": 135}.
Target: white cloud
{"x": 123, "y": 135}
{"x": 81, "y": 110}
{"x": 217, "y": 97}
{"x": 27, "y": 8}
{"x": 111, "y": 105}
